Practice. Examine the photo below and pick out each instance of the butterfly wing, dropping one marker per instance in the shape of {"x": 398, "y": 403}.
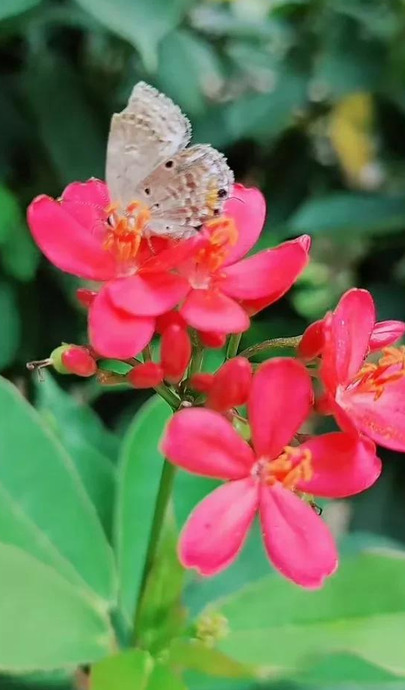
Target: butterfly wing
{"x": 147, "y": 132}
{"x": 186, "y": 190}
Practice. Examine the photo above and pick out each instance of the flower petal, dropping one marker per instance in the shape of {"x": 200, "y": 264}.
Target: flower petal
{"x": 148, "y": 295}
{"x": 231, "y": 385}
{"x": 297, "y": 541}
{"x": 347, "y": 335}
{"x": 300, "y": 248}
{"x": 343, "y": 465}
{"x": 247, "y": 207}
{"x": 382, "y": 419}
{"x": 280, "y": 400}
{"x": 386, "y": 333}
{"x": 312, "y": 341}
{"x": 114, "y": 333}
{"x": 217, "y": 528}
{"x": 266, "y": 273}
{"x": 210, "y": 310}
{"x": 68, "y": 244}
{"x": 203, "y": 442}
{"x": 86, "y": 202}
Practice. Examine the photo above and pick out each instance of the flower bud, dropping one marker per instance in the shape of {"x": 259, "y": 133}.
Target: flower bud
{"x": 86, "y": 297}
{"x": 72, "y": 359}
{"x": 202, "y": 383}
{"x": 212, "y": 339}
{"x": 175, "y": 353}
{"x": 147, "y": 375}
{"x": 231, "y": 385}
{"x": 168, "y": 319}
{"x": 311, "y": 343}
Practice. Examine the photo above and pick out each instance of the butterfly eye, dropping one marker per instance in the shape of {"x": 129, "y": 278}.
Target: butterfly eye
{"x": 169, "y": 164}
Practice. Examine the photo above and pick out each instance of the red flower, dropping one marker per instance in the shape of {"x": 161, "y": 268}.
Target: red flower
{"x": 228, "y": 387}
{"x": 219, "y": 281}
{"x": 82, "y": 234}
{"x": 175, "y": 353}
{"x": 366, "y": 396}
{"x": 268, "y": 478}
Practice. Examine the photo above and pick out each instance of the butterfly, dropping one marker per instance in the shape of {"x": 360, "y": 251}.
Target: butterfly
{"x": 148, "y": 161}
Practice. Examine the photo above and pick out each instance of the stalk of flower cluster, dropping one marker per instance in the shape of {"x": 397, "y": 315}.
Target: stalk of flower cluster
{"x": 272, "y": 344}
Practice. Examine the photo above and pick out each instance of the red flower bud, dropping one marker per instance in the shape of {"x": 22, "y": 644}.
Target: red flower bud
{"x": 175, "y": 353}
{"x": 147, "y": 375}
{"x": 202, "y": 382}
{"x": 311, "y": 343}
{"x": 168, "y": 319}
{"x": 78, "y": 360}
{"x": 231, "y": 385}
{"x": 85, "y": 297}
{"x": 214, "y": 340}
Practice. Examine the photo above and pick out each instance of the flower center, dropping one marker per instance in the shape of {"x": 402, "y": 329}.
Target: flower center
{"x": 124, "y": 231}
{"x": 222, "y": 235}
{"x": 373, "y": 378}
{"x": 291, "y": 467}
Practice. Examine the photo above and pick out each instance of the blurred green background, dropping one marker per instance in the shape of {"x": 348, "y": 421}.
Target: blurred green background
{"x": 307, "y": 100}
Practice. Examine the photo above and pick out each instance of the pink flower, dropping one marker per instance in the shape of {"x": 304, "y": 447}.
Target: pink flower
{"x": 268, "y": 478}
{"x": 220, "y": 280}
{"x": 82, "y": 234}
{"x": 229, "y": 387}
{"x": 369, "y": 397}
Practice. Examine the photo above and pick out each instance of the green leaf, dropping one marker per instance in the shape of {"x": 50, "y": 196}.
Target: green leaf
{"x": 18, "y": 252}
{"x": 45, "y": 623}
{"x": 163, "y": 676}
{"x": 127, "y": 671}
{"x": 343, "y": 214}
{"x": 44, "y": 508}
{"x": 10, "y": 8}
{"x": 10, "y": 325}
{"x": 196, "y": 656}
{"x": 281, "y": 628}
{"x": 65, "y": 119}
{"x": 140, "y": 470}
{"x": 77, "y": 426}
{"x": 162, "y": 616}
{"x": 141, "y": 23}
{"x": 203, "y": 72}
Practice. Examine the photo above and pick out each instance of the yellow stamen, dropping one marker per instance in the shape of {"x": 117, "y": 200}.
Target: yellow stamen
{"x": 124, "y": 232}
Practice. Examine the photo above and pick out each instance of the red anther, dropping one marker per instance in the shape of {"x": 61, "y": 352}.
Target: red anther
{"x": 147, "y": 375}
{"x": 78, "y": 360}
{"x": 202, "y": 383}
{"x": 213, "y": 340}
{"x": 85, "y": 297}
{"x": 175, "y": 353}
{"x": 231, "y": 385}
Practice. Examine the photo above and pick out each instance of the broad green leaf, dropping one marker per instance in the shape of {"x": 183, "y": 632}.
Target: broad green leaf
{"x": 141, "y": 23}
{"x": 163, "y": 677}
{"x": 9, "y": 8}
{"x": 203, "y": 72}
{"x": 19, "y": 255}
{"x": 343, "y": 214}
{"x": 10, "y": 329}
{"x": 129, "y": 670}
{"x": 45, "y": 623}
{"x": 77, "y": 426}
{"x": 139, "y": 475}
{"x": 162, "y": 615}
{"x": 66, "y": 122}
{"x": 281, "y": 628}
{"x": 44, "y": 508}
{"x": 196, "y": 656}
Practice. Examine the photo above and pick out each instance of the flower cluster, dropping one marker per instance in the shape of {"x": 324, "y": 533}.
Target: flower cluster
{"x": 243, "y": 424}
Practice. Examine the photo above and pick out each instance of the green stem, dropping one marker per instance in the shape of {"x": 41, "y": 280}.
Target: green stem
{"x": 162, "y": 501}
{"x": 233, "y": 345}
{"x": 197, "y": 360}
{"x": 147, "y": 354}
{"x": 271, "y": 345}
{"x": 167, "y": 395}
